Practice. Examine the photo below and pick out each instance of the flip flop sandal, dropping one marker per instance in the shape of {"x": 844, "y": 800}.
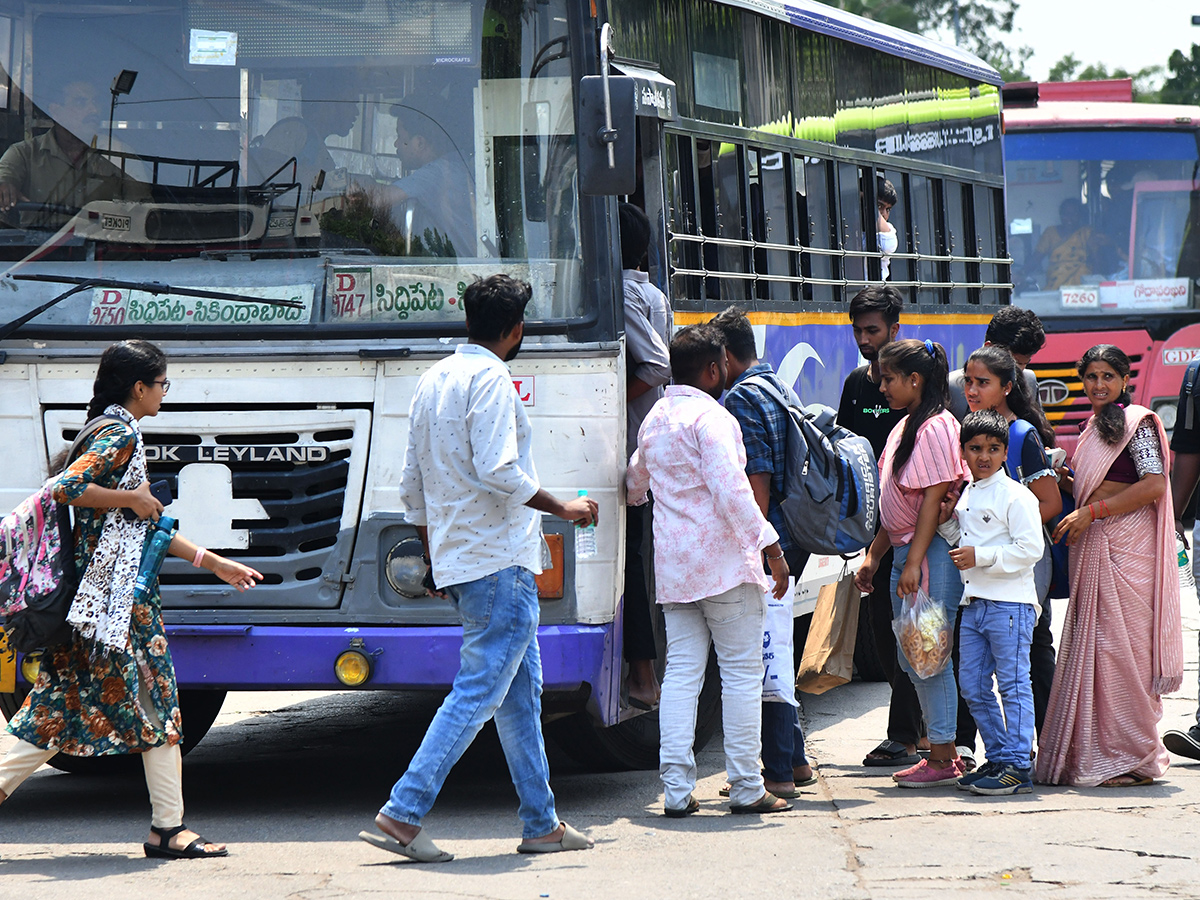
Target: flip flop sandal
{"x": 1138, "y": 781}
{"x": 421, "y": 848}
{"x": 806, "y": 782}
{"x": 194, "y": 850}
{"x": 692, "y": 805}
{"x": 571, "y": 840}
{"x": 891, "y": 753}
{"x": 764, "y": 806}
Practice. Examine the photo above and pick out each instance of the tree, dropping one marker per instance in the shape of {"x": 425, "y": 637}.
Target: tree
{"x": 1183, "y": 84}
{"x": 1145, "y": 80}
{"x": 980, "y": 24}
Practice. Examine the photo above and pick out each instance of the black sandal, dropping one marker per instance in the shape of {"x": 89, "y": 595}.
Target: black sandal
{"x": 164, "y": 850}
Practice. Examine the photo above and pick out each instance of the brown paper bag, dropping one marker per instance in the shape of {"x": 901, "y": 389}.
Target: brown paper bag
{"x": 829, "y": 651}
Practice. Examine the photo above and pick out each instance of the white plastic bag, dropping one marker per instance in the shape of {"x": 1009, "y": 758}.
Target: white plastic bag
{"x": 925, "y": 634}
{"x": 779, "y": 669}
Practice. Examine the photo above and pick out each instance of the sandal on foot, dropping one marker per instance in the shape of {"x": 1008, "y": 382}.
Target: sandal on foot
{"x": 1134, "y": 781}
{"x": 164, "y": 850}
{"x": 891, "y": 753}
{"x": 765, "y": 804}
{"x": 421, "y": 848}
{"x": 807, "y": 782}
{"x": 692, "y": 805}
{"x": 571, "y": 840}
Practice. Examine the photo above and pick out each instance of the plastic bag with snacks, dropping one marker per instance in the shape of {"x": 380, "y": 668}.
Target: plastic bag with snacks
{"x": 925, "y": 634}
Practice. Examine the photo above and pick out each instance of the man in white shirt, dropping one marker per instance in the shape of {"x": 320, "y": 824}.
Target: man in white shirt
{"x": 709, "y": 541}
{"x": 470, "y": 488}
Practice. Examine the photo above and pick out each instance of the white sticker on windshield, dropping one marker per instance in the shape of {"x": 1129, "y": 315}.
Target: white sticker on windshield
{"x": 212, "y": 48}
{"x": 120, "y": 306}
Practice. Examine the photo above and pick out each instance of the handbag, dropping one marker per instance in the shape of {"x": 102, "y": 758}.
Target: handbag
{"x": 828, "y": 658}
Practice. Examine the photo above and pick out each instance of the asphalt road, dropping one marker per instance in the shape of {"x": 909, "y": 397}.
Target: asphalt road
{"x": 288, "y": 780}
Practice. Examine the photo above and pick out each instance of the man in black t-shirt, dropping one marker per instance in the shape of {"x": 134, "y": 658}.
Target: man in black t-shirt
{"x": 1185, "y": 473}
{"x": 875, "y": 317}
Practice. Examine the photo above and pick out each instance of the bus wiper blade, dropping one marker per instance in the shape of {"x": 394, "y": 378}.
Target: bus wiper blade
{"x": 148, "y": 287}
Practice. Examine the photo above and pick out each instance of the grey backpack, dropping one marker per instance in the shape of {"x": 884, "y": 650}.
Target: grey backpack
{"x": 830, "y": 499}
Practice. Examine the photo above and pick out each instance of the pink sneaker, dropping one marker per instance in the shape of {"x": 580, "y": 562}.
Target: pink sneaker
{"x": 923, "y": 775}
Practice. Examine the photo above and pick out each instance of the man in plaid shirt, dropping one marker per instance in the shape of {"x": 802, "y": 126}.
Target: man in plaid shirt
{"x": 764, "y": 432}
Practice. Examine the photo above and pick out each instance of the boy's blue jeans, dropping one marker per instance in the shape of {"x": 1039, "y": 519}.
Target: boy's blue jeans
{"x": 994, "y": 640}
{"x": 938, "y": 695}
{"x": 499, "y": 676}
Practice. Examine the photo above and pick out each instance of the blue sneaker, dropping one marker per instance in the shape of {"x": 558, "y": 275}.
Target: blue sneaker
{"x": 985, "y": 771}
{"x": 1010, "y": 780}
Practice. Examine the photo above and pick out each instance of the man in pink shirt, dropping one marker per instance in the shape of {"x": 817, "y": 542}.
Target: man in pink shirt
{"x": 709, "y": 541}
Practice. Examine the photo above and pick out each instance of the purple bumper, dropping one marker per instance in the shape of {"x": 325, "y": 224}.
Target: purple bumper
{"x": 244, "y": 657}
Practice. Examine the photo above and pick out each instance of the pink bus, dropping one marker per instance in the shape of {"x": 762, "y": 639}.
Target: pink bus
{"x": 1104, "y": 231}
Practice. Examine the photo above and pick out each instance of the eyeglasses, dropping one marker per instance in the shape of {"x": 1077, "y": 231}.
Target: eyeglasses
{"x": 166, "y": 384}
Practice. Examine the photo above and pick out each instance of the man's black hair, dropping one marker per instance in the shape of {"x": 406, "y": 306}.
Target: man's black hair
{"x": 1017, "y": 329}
{"x": 986, "y": 422}
{"x": 882, "y": 298}
{"x": 738, "y": 332}
{"x": 692, "y": 349}
{"x": 885, "y": 191}
{"x": 419, "y": 113}
{"x": 635, "y": 235}
{"x": 494, "y": 306}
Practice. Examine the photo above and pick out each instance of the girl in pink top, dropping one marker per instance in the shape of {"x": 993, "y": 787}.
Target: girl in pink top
{"x": 920, "y": 463}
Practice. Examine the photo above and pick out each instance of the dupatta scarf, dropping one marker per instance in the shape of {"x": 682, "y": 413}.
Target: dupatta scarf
{"x": 1105, "y": 705}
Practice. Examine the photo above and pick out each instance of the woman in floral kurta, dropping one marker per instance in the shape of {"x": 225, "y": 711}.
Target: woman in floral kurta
{"x": 105, "y": 693}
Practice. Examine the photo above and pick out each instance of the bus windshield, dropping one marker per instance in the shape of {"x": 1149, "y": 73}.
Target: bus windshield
{"x": 1103, "y": 221}
{"x": 366, "y": 158}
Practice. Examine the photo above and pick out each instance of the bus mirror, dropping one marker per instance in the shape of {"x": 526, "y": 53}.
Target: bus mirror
{"x": 535, "y": 137}
{"x": 598, "y": 174}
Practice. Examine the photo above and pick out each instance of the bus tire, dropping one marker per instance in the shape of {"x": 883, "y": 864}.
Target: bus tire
{"x": 10, "y": 703}
{"x": 866, "y": 654}
{"x": 198, "y": 708}
{"x": 633, "y": 744}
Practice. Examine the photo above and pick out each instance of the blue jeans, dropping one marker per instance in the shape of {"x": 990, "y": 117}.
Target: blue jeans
{"x": 939, "y": 694}
{"x": 499, "y": 676}
{"x": 995, "y": 638}
{"x": 782, "y": 742}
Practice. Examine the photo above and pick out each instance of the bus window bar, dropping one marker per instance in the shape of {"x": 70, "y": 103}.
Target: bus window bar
{"x": 832, "y": 282}
{"x": 837, "y": 252}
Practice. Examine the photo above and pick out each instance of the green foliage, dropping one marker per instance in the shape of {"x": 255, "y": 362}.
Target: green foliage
{"x": 367, "y": 222}
{"x": 1183, "y": 84}
{"x": 1145, "y": 80}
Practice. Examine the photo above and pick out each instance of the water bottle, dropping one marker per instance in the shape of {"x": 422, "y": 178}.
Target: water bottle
{"x": 585, "y": 538}
{"x": 158, "y": 538}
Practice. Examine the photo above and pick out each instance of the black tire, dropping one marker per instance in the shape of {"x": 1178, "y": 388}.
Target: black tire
{"x": 866, "y": 656}
{"x": 633, "y": 744}
{"x": 199, "y": 709}
{"x": 10, "y": 703}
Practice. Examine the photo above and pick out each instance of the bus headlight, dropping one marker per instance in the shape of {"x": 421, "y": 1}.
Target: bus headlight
{"x": 31, "y": 667}
{"x": 353, "y": 667}
{"x": 404, "y": 568}
{"x": 1168, "y": 411}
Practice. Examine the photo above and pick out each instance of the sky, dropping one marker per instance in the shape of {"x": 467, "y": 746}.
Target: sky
{"x": 1119, "y": 34}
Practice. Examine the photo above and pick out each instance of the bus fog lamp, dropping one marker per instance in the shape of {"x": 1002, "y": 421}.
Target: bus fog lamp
{"x": 353, "y": 666}
{"x": 31, "y": 666}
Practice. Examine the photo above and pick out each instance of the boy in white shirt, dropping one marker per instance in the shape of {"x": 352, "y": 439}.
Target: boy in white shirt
{"x": 1000, "y": 538}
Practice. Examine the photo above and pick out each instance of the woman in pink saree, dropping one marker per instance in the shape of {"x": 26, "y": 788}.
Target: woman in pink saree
{"x": 1122, "y": 642}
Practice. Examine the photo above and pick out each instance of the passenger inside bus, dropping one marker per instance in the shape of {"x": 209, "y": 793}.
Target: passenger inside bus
{"x": 62, "y": 169}
{"x": 1073, "y": 249}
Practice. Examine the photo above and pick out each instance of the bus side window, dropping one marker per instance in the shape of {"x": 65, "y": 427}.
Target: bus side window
{"x": 959, "y": 241}
{"x": 987, "y": 228}
{"x": 851, "y": 233}
{"x": 719, "y": 165}
{"x": 898, "y": 218}
{"x": 925, "y": 193}
{"x": 770, "y": 219}
{"x": 820, "y": 217}
{"x": 681, "y": 204}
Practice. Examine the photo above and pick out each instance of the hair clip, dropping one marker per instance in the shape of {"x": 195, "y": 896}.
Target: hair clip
{"x": 929, "y": 347}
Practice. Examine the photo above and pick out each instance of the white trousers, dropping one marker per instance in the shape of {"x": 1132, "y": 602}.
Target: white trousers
{"x": 733, "y": 622}
{"x": 163, "y": 766}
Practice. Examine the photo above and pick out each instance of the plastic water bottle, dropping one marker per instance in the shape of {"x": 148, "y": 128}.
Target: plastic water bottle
{"x": 154, "y": 551}
{"x": 585, "y": 538}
